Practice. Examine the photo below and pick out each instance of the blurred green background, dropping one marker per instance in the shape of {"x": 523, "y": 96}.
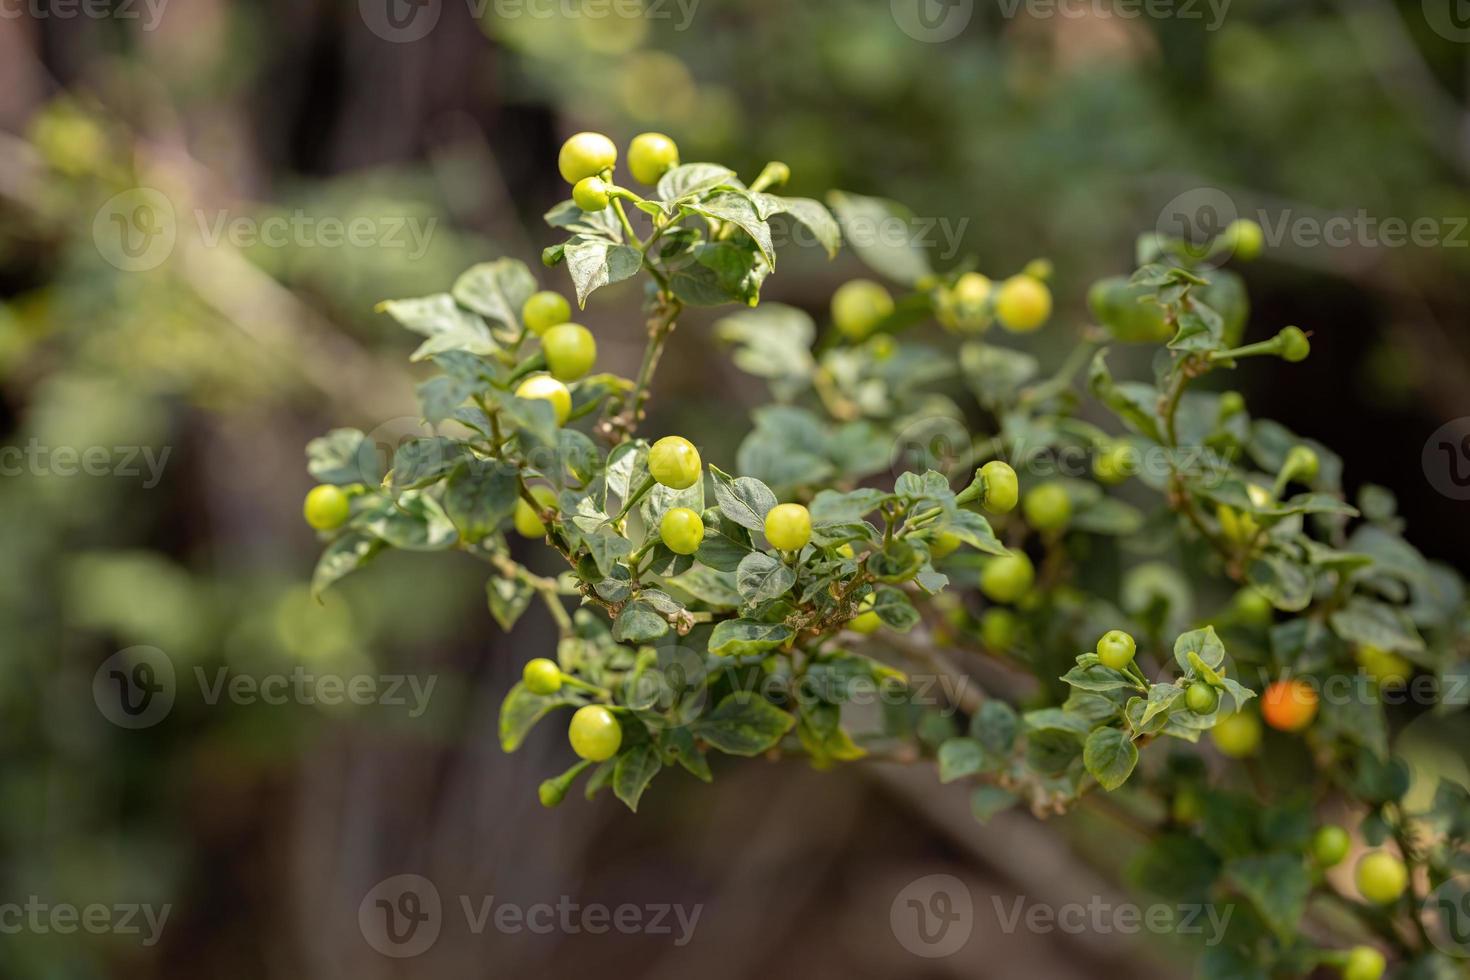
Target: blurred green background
{"x": 215, "y": 350}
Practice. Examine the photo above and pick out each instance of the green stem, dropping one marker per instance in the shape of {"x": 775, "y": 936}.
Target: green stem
{"x": 627, "y": 225}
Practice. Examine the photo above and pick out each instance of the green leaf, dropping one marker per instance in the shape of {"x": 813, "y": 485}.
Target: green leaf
{"x": 635, "y": 769}
{"x": 446, "y": 326}
{"x": 743, "y": 724}
{"x": 479, "y": 494}
{"x": 1109, "y": 756}
{"x": 1132, "y": 402}
{"x": 1056, "y": 720}
{"x": 738, "y": 210}
{"x": 894, "y": 608}
{"x": 772, "y": 341}
{"x": 1204, "y": 642}
{"x": 520, "y": 711}
{"x": 811, "y": 214}
{"x": 987, "y": 801}
{"x": 995, "y": 726}
{"x": 343, "y": 556}
{"x": 608, "y": 548}
{"x": 692, "y": 179}
{"x": 509, "y": 598}
{"x": 743, "y": 637}
{"x": 725, "y": 545}
{"x": 1370, "y": 623}
{"x": 1277, "y": 885}
{"x": 867, "y": 224}
{"x": 588, "y": 224}
{"x": 595, "y": 262}
{"x": 744, "y": 500}
{"x": 1096, "y": 677}
{"x": 342, "y": 457}
{"x": 760, "y": 577}
{"x": 996, "y": 374}
{"x": 639, "y": 623}
{"x": 960, "y": 757}
{"x": 496, "y": 290}
{"x": 1284, "y": 581}
{"x": 1161, "y": 699}
{"x": 419, "y": 462}
{"x": 415, "y": 523}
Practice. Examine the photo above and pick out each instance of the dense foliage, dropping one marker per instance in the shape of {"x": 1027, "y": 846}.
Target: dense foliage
{"x": 757, "y": 606}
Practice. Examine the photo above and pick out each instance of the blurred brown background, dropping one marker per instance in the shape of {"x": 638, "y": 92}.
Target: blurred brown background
{"x": 432, "y": 128}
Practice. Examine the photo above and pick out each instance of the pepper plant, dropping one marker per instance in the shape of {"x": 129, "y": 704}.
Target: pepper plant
{"x": 1129, "y": 562}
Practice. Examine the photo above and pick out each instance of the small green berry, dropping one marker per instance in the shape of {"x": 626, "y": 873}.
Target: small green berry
{"x": 1047, "y": 507}
{"x": 1116, "y": 649}
{"x": 592, "y": 194}
{"x": 788, "y": 527}
{"x": 1201, "y": 698}
{"x": 595, "y": 733}
{"x": 1294, "y": 344}
{"x": 327, "y": 507}
{"x": 1002, "y": 488}
{"x": 1330, "y": 845}
{"x": 545, "y": 310}
{"x": 542, "y": 676}
{"x": 674, "y": 462}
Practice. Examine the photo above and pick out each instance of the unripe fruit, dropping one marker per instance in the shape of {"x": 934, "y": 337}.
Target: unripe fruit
{"x": 1364, "y": 963}
{"x": 1386, "y": 667}
{"x": 650, "y": 156}
{"x": 859, "y": 306}
{"x": 1237, "y": 735}
{"x": 788, "y": 527}
{"x": 1301, "y": 464}
{"x": 1023, "y": 304}
{"x": 1186, "y": 807}
{"x": 546, "y": 387}
{"x": 545, "y": 310}
{"x": 1245, "y": 238}
{"x": 594, "y": 733}
{"x": 999, "y": 628}
{"x": 1047, "y": 507}
{"x": 592, "y": 194}
{"x": 866, "y": 621}
{"x": 585, "y": 155}
{"x": 527, "y": 520}
{"x": 1114, "y": 463}
{"x": 326, "y": 507}
{"x": 1201, "y": 698}
{"x": 1116, "y": 649}
{"x": 1008, "y": 578}
{"x": 1115, "y": 303}
{"x": 551, "y": 792}
{"x": 542, "y": 676}
{"x": 674, "y": 462}
{"x": 1232, "y": 403}
{"x": 571, "y": 350}
{"x": 967, "y": 302}
{"x": 1289, "y": 705}
{"x": 1294, "y": 344}
{"x": 944, "y": 544}
{"x": 681, "y": 530}
{"x": 1002, "y": 488}
{"x": 1252, "y": 607}
{"x": 1330, "y": 845}
{"x": 1381, "y": 877}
